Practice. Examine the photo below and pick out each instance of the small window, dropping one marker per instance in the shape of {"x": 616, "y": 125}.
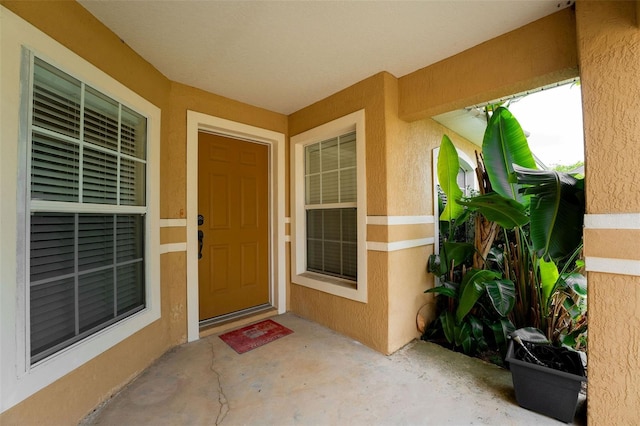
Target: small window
{"x": 330, "y": 204}
{"x": 329, "y": 214}
{"x": 466, "y": 178}
{"x": 87, "y": 167}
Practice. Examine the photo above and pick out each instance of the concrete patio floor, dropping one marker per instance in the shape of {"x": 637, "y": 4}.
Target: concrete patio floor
{"x": 317, "y": 377}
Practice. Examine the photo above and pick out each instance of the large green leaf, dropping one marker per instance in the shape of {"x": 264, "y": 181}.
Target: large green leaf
{"x": 501, "y": 331}
{"x": 576, "y": 337}
{"x": 573, "y": 309}
{"x": 443, "y": 291}
{"x": 502, "y": 294}
{"x": 448, "y": 326}
{"x": 448, "y": 167}
{"x": 458, "y": 253}
{"x": 505, "y": 144}
{"x": 576, "y": 282}
{"x": 548, "y": 277}
{"x": 472, "y": 287}
{"x": 462, "y": 336}
{"x": 557, "y": 210}
{"x": 477, "y": 333}
{"x": 496, "y": 208}
{"x": 496, "y": 255}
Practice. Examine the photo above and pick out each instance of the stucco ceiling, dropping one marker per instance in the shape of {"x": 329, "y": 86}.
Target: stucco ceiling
{"x": 285, "y": 55}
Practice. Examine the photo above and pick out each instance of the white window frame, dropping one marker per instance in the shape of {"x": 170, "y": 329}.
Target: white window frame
{"x": 19, "y": 378}
{"x": 299, "y": 274}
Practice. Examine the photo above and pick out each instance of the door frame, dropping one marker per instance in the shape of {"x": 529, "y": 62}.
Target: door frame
{"x": 197, "y": 122}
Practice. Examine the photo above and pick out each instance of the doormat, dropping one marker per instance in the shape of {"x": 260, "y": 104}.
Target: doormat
{"x": 255, "y": 335}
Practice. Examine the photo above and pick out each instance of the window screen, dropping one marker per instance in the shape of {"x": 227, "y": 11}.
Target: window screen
{"x": 88, "y": 155}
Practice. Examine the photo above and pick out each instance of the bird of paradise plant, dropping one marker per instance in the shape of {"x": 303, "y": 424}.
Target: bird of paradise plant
{"x": 527, "y": 275}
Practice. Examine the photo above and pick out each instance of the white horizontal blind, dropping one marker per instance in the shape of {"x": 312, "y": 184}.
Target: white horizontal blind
{"x": 330, "y": 203}
{"x": 55, "y": 148}
{"x": 86, "y": 269}
{"x": 81, "y": 135}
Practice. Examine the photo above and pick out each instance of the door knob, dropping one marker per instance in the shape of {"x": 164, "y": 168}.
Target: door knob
{"x": 200, "y": 243}
{"x": 200, "y": 236}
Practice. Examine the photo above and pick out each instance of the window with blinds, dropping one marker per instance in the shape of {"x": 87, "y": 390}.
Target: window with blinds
{"x": 330, "y": 205}
{"x": 87, "y": 202}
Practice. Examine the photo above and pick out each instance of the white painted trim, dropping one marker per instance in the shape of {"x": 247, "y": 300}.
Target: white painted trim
{"x": 354, "y": 121}
{"x": 173, "y": 248}
{"x": 399, "y": 220}
{"x": 20, "y": 379}
{"x": 612, "y": 221}
{"x": 202, "y": 122}
{"x": 287, "y": 238}
{"x": 62, "y": 207}
{"x": 287, "y": 220}
{"x": 612, "y": 266}
{"x": 399, "y": 245}
{"x": 172, "y": 223}
{"x": 332, "y": 206}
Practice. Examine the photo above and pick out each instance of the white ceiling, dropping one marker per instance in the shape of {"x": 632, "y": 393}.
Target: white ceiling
{"x": 285, "y": 55}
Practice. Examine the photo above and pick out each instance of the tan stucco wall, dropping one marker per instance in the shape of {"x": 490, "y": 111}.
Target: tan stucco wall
{"x": 368, "y": 95}
{"x": 609, "y": 51}
{"x": 532, "y": 56}
{"x": 408, "y": 279}
{"x": 613, "y": 394}
{"x": 409, "y": 187}
{"x": 399, "y": 183}
{"x": 609, "y": 43}
{"x": 410, "y": 193}
{"x": 364, "y": 322}
{"x": 612, "y": 243}
{"x": 173, "y": 234}
{"x": 385, "y": 233}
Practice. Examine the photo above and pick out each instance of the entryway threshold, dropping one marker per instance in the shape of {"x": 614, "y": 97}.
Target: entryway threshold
{"x": 236, "y": 319}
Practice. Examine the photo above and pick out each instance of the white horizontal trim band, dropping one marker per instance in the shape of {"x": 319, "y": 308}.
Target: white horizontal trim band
{"x": 168, "y": 223}
{"x": 612, "y": 266}
{"x": 399, "y": 220}
{"x": 287, "y": 238}
{"x": 287, "y": 220}
{"x": 399, "y": 245}
{"x": 612, "y": 221}
{"x": 173, "y": 247}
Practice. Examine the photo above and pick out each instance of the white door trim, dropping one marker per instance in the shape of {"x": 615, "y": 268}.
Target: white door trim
{"x": 202, "y": 122}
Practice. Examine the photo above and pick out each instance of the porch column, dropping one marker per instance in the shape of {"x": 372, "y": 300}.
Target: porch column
{"x": 609, "y": 56}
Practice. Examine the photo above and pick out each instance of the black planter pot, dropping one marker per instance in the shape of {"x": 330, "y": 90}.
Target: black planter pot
{"x": 545, "y": 390}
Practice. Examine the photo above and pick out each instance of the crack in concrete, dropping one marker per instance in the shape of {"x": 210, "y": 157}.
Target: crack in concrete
{"x": 222, "y": 398}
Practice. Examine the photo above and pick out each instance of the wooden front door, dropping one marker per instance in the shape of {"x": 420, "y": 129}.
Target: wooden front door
{"x": 233, "y": 204}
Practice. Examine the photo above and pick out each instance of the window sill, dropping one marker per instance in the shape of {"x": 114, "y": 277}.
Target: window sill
{"x": 330, "y": 280}
{"x": 331, "y": 285}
